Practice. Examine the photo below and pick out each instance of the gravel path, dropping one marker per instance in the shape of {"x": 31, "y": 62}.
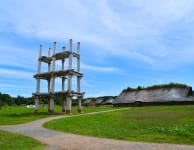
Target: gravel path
{"x": 64, "y": 141}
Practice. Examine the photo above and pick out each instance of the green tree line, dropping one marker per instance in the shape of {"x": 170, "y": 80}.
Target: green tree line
{"x": 6, "y": 99}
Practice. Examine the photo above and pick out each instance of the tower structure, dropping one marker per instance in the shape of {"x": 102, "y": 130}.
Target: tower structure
{"x": 65, "y": 74}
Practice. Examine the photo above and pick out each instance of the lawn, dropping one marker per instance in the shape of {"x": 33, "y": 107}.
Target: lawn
{"x": 13, "y": 141}
{"x": 160, "y": 124}
{"x": 20, "y": 114}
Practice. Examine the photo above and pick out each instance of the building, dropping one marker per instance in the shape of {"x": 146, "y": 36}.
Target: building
{"x": 156, "y": 95}
{"x": 89, "y": 102}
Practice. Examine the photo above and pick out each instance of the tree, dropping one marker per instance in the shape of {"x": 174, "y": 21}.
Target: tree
{"x": 139, "y": 88}
{"x": 6, "y": 99}
{"x": 1, "y": 101}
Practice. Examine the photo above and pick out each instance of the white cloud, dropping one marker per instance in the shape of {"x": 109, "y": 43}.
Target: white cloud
{"x": 133, "y": 29}
{"x": 18, "y": 57}
{"x": 10, "y": 73}
{"x": 100, "y": 69}
{"x": 11, "y": 86}
{"x": 97, "y": 94}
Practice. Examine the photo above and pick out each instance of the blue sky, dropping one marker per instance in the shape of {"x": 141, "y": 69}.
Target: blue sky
{"x": 123, "y": 43}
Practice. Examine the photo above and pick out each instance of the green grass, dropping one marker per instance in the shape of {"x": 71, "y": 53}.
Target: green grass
{"x": 160, "y": 124}
{"x": 12, "y": 141}
{"x": 10, "y": 115}
{"x": 159, "y": 86}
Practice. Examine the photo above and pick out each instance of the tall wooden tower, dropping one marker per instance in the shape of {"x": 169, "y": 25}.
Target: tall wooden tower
{"x": 64, "y": 74}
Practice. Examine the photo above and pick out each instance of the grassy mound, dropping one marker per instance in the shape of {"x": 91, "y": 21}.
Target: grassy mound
{"x": 159, "y": 86}
{"x": 167, "y": 124}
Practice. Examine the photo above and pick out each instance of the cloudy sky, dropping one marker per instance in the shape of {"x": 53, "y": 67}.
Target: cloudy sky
{"x": 123, "y": 43}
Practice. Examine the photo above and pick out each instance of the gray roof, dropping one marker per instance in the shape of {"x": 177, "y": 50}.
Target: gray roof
{"x": 155, "y": 95}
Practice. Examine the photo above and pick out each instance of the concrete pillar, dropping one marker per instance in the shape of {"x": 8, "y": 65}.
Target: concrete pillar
{"x": 64, "y": 98}
{"x": 49, "y": 80}
{"x": 63, "y": 84}
{"x": 49, "y": 64}
{"x": 49, "y": 83}
{"x": 71, "y": 55}
{"x": 36, "y": 104}
{"x": 49, "y": 90}
{"x": 79, "y": 104}
{"x": 70, "y": 67}
{"x": 38, "y": 85}
{"x": 78, "y": 59}
{"x": 38, "y": 81}
{"x": 68, "y": 105}
{"x": 51, "y": 106}
{"x": 63, "y": 105}
{"x": 39, "y": 62}
{"x": 78, "y": 67}
{"x": 68, "y": 98}
{"x": 63, "y": 67}
{"x": 78, "y": 97}
{"x": 78, "y": 78}
{"x": 78, "y": 84}
{"x": 49, "y": 70}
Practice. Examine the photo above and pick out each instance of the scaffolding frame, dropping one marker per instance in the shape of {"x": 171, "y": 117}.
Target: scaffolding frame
{"x": 52, "y": 74}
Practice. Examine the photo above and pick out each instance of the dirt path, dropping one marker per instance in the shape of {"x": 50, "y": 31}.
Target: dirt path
{"x": 64, "y": 141}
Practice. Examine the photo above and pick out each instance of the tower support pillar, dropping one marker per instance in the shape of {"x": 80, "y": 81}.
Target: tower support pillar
{"x": 79, "y": 104}
{"x": 68, "y": 105}
{"x": 51, "y": 104}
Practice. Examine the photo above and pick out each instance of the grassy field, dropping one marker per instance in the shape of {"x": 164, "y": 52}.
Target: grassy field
{"x": 12, "y": 141}
{"x": 160, "y": 124}
{"x": 20, "y": 114}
